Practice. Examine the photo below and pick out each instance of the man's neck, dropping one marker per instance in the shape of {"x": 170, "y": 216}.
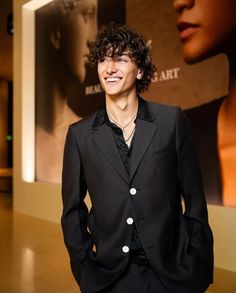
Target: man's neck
{"x": 121, "y": 109}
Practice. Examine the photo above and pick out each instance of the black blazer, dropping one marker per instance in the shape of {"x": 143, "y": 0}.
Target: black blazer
{"x": 204, "y": 124}
{"x": 179, "y": 245}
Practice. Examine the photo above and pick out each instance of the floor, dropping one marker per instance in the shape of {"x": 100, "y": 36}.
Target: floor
{"x": 33, "y": 258}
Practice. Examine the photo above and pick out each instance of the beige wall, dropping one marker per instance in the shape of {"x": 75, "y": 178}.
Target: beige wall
{"x": 36, "y": 199}
{"x": 44, "y": 201}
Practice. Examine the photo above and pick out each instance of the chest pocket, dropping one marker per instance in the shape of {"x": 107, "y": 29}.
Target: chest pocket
{"x": 167, "y": 153}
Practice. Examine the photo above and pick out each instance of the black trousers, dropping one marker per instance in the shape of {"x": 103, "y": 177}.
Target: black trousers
{"x": 137, "y": 278}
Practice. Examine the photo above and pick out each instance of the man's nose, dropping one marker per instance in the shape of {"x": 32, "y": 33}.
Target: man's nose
{"x": 111, "y": 67}
{"x": 180, "y": 5}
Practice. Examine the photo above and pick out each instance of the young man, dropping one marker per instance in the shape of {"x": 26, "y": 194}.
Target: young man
{"x": 136, "y": 160}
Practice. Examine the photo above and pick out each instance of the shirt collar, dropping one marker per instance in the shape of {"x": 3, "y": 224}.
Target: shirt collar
{"x": 144, "y": 113}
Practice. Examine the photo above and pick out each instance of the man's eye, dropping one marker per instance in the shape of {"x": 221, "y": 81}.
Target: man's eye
{"x": 122, "y": 59}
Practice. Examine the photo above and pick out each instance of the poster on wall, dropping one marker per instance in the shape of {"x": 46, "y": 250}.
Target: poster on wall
{"x": 67, "y": 91}
{"x": 192, "y": 58}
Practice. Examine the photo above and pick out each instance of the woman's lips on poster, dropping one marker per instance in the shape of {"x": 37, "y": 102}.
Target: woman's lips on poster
{"x": 186, "y": 29}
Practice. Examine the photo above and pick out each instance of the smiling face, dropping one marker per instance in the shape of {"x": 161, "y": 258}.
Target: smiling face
{"x": 207, "y": 27}
{"x": 78, "y": 30}
{"x": 118, "y": 75}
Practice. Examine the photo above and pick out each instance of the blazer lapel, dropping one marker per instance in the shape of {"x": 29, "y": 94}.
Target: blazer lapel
{"x": 144, "y": 133}
{"x": 105, "y": 141}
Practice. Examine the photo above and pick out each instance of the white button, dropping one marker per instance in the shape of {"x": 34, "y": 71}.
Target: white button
{"x": 125, "y": 249}
{"x": 129, "y": 221}
{"x": 133, "y": 191}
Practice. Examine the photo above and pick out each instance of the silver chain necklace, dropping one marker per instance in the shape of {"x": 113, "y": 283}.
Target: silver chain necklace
{"x": 129, "y": 137}
{"x": 123, "y": 127}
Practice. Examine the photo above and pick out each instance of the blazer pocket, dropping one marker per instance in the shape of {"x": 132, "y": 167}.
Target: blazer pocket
{"x": 161, "y": 154}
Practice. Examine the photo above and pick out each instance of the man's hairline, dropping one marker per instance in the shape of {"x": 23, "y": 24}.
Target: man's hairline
{"x": 127, "y": 52}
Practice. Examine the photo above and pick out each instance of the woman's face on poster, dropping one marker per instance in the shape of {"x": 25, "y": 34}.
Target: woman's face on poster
{"x": 206, "y": 27}
{"x": 78, "y": 30}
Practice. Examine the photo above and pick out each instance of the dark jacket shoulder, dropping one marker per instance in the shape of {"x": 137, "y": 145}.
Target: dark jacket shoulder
{"x": 84, "y": 123}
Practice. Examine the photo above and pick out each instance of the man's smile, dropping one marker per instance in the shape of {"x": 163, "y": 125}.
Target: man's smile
{"x": 112, "y": 79}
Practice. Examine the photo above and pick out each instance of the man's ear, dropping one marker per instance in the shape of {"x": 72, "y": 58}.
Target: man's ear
{"x": 55, "y": 38}
{"x": 140, "y": 74}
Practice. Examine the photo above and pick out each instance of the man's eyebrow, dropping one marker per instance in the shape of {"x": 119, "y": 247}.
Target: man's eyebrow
{"x": 122, "y": 55}
{"x": 117, "y": 55}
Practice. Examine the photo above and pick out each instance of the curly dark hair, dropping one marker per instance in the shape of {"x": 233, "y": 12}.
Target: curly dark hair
{"x": 113, "y": 40}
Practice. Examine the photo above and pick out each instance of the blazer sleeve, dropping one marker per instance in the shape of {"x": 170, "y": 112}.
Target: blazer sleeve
{"x": 191, "y": 188}
{"x": 75, "y": 213}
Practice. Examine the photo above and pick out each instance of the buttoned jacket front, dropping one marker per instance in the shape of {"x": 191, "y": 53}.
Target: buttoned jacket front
{"x": 163, "y": 169}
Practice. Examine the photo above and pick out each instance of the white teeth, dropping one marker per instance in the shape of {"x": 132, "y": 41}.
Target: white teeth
{"x": 112, "y": 79}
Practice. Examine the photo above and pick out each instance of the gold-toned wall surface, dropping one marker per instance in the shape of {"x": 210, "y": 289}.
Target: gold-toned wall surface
{"x": 43, "y": 200}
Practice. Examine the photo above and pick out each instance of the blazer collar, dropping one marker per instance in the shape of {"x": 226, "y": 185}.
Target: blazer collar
{"x": 144, "y": 113}
{"x": 145, "y": 131}
{"x": 103, "y": 137}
